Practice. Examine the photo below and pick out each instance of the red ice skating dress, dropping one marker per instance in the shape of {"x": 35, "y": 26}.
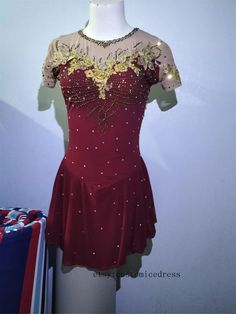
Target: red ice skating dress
{"x": 102, "y": 206}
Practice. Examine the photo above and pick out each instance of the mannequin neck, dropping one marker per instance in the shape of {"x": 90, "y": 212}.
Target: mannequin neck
{"x": 106, "y": 20}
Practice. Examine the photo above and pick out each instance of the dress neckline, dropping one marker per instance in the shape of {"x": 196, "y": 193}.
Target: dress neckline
{"x": 106, "y": 43}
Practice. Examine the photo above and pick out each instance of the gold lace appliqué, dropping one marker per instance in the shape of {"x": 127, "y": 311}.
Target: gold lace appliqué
{"x": 100, "y": 71}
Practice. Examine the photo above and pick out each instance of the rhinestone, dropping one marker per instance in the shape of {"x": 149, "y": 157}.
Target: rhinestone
{"x": 101, "y": 228}
{"x": 118, "y": 245}
{"x": 94, "y": 253}
{"x": 84, "y": 165}
{"x": 90, "y": 193}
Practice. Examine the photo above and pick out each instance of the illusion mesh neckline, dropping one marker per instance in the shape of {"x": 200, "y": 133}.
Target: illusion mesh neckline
{"x": 106, "y": 43}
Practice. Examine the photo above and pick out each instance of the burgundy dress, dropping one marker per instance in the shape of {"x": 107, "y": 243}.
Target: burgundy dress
{"x": 102, "y": 206}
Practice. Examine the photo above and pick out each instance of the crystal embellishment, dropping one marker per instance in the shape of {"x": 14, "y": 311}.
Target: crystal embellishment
{"x": 105, "y": 43}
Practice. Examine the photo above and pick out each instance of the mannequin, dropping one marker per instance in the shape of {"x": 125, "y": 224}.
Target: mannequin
{"x": 77, "y": 289}
{"x": 106, "y": 20}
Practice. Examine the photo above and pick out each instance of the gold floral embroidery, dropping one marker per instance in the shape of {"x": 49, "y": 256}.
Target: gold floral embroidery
{"x": 101, "y": 71}
{"x": 120, "y": 60}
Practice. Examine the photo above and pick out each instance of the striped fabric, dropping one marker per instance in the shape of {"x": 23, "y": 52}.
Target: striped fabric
{"x": 23, "y": 261}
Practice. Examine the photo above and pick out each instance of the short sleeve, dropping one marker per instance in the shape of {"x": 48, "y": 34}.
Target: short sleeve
{"x": 50, "y": 69}
{"x": 165, "y": 70}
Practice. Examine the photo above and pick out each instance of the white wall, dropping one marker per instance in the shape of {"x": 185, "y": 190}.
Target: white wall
{"x": 189, "y": 149}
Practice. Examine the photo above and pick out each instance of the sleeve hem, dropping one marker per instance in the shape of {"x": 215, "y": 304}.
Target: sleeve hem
{"x": 171, "y": 86}
{"x": 48, "y": 83}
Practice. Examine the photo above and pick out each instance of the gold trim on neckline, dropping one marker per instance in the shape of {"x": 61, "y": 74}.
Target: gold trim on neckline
{"x": 106, "y": 43}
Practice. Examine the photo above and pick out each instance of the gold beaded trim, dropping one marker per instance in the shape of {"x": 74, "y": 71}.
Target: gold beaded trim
{"x": 105, "y": 43}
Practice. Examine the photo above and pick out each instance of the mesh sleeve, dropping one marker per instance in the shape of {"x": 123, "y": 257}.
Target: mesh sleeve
{"x": 49, "y": 69}
{"x": 164, "y": 69}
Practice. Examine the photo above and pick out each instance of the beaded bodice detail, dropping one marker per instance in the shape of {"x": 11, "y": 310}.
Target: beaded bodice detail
{"x": 113, "y": 74}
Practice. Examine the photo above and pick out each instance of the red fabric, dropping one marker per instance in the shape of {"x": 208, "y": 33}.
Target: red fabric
{"x": 102, "y": 206}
